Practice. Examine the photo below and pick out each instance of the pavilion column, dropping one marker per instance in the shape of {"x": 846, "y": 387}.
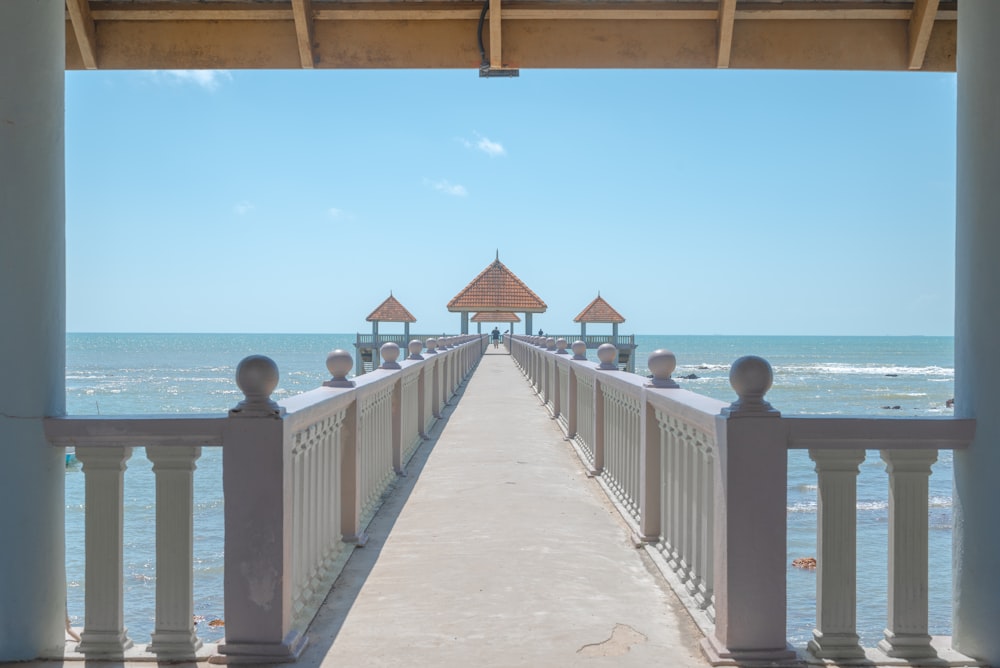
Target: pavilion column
{"x": 33, "y": 334}
{"x": 977, "y": 321}
{"x": 527, "y": 324}
{"x": 465, "y": 322}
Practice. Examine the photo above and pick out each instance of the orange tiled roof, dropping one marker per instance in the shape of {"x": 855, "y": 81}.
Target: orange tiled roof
{"x": 496, "y": 288}
{"x": 496, "y": 316}
{"x": 599, "y": 311}
{"x": 391, "y": 311}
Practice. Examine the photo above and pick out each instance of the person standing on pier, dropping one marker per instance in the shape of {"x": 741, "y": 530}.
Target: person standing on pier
{"x": 495, "y": 335}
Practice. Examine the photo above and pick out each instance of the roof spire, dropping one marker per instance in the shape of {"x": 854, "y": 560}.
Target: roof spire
{"x": 498, "y": 255}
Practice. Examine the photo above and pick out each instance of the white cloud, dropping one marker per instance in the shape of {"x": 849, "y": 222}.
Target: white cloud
{"x": 490, "y": 148}
{"x": 207, "y": 79}
{"x": 335, "y": 212}
{"x": 450, "y": 188}
{"x": 486, "y": 145}
{"x": 243, "y": 208}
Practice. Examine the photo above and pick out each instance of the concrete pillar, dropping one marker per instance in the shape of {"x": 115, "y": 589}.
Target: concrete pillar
{"x": 465, "y": 322}
{"x": 33, "y": 335}
{"x": 527, "y": 324}
{"x": 977, "y": 320}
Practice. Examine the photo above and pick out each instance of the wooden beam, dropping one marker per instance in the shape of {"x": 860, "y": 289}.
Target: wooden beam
{"x": 727, "y": 17}
{"x": 302, "y": 11}
{"x": 85, "y": 31}
{"x": 496, "y": 44}
{"x": 921, "y": 24}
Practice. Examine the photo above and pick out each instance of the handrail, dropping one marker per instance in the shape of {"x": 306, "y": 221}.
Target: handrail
{"x": 704, "y": 486}
{"x": 302, "y": 478}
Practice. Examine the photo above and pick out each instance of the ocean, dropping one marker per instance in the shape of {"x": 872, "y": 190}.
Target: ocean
{"x": 127, "y": 374}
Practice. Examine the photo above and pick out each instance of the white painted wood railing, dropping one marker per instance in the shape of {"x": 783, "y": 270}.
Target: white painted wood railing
{"x": 301, "y": 480}
{"x": 704, "y": 486}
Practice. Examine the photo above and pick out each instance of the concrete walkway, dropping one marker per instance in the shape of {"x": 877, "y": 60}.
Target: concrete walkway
{"x": 497, "y": 550}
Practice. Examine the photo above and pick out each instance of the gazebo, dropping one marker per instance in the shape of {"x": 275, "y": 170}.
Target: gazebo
{"x": 391, "y": 311}
{"x": 496, "y": 288}
{"x": 599, "y": 310}
{"x": 495, "y": 316}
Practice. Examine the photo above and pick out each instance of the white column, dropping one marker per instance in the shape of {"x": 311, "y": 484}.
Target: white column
{"x": 977, "y": 321}
{"x": 906, "y": 633}
{"x": 174, "y": 468}
{"x": 33, "y": 334}
{"x": 104, "y": 634}
{"x": 835, "y": 636}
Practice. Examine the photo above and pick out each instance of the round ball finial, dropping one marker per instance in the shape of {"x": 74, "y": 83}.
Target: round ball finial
{"x": 415, "y": 346}
{"x": 431, "y": 345}
{"x": 442, "y": 343}
{"x": 550, "y": 343}
{"x": 390, "y": 353}
{"x": 339, "y": 363}
{"x": 751, "y": 377}
{"x": 579, "y": 350}
{"x": 662, "y": 364}
{"x": 607, "y": 353}
{"x": 560, "y": 346}
{"x": 257, "y": 376}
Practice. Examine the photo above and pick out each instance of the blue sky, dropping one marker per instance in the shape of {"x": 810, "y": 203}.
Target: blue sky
{"x": 696, "y": 202}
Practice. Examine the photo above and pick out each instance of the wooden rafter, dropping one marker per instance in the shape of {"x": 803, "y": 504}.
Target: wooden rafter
{"x": 727, "y": 17}
{"x": 302, "y": 11}
{"x": 921, "y": 24}
{"x": 854, "y": 34}
{"x": 85, "y": 31}
{"x": 496, "y": 41}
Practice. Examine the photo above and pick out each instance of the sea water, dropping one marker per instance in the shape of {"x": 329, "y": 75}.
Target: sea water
{"x": 127, "y": 374}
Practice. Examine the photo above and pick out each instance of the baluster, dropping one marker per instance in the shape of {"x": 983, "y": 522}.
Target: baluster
{"x": 906, "y": 633}
{"x": 174, "y": 467}
{"x": 104, "y": 632}
{"x": 836, "y": 538}
{"x": 707, "y": 566}
{"x": 695, "y": 585}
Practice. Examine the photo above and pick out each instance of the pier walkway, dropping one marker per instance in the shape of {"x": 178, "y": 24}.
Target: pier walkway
{"x": 497, "y": 550}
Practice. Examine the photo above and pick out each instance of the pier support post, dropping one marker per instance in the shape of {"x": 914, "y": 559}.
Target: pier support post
{"x": 33, "y": 335}
{"x": 977, "y": 320}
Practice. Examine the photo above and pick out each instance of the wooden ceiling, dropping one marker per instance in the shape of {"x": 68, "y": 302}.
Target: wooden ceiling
{"x": 296, "y": 34}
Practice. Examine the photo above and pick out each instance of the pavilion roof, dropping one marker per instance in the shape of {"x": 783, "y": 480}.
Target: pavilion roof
{"x": 496, "y": 288}
{"x": 496, "y": 316}
{"x": 390, "y": 311}
{"x": 599, "y": 311}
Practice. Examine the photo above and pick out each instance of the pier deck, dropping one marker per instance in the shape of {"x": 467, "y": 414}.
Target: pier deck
{"x": 497, "y": 550}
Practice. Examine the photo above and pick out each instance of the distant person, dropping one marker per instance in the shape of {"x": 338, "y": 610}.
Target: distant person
{"x": 495, "y": 335}
{"x": 540, "y": 332}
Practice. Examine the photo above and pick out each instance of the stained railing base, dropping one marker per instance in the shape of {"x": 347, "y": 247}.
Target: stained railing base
{"x": 943, "y": 657}
{"x": 137, "y": 653}
{"x": 718, "y": 655}
{"x": 287, "y": 651}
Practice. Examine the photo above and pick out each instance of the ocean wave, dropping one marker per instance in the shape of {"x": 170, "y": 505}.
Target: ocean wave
{"x": 874, "y": 505}
{"x": 834, "y": 368}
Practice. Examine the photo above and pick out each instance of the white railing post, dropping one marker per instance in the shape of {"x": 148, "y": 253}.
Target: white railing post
{"x": 104, "y": 633}
{"x": 750, "y": 527}
{"x": 906, "y": 633}
{"x": 650, "y": 484}
{"x": 572, "y": 411}
{"x": 835, "y": 636}
{"x": 173, "y": 467}
{"x": 259, "y": 579}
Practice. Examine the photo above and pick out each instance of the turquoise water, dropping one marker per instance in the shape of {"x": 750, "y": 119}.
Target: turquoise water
{"x": 114, "y": 374}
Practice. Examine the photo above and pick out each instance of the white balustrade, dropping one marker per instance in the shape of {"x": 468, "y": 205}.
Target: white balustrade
{"x": 300, "y": 480}
{"x": 704, "y": 484}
